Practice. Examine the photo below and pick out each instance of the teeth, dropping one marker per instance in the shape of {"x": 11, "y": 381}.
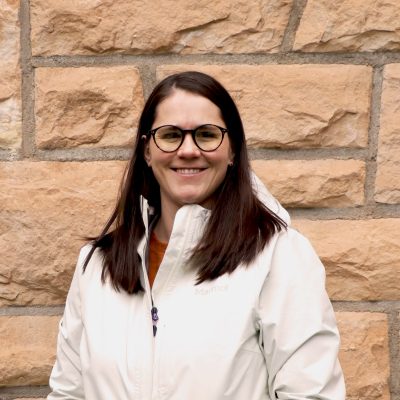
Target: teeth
{"x": 188, "y": 170}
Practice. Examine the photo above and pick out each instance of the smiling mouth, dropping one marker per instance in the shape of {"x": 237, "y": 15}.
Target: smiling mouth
{"x": 188, "y": 171}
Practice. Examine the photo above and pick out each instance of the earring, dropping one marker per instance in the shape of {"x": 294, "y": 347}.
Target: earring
{"x": 230, "y": 163}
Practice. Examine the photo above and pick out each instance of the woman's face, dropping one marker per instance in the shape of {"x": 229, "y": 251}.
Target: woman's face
{"x": 188, "y": 175}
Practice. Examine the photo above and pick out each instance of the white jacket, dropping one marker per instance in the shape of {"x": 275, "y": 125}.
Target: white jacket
{"x": 266, "y": 331}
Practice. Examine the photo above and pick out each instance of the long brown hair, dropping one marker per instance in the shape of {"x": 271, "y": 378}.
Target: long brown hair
{"x": 238, "y": 216}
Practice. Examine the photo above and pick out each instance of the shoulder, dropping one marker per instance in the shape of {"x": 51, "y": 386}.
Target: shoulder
{"x": 94, "y": 265}
{"x": 291, "y": 241}
{"x": 292, "y": 237}
{"x": 294, "y": 257}
{"x": 86, "y": 283}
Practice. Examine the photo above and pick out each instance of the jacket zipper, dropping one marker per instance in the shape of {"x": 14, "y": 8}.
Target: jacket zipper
{"x": 154, "y": 316}
{"x": 154, "y": 310}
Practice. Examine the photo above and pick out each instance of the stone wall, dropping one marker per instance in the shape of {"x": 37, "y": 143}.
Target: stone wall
{"x": 318, "y": 86}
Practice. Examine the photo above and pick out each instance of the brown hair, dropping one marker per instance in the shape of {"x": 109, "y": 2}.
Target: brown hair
{"x": 238, "y": 216}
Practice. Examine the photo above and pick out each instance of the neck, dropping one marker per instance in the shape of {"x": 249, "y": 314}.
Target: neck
{"x": 164, "y": 225}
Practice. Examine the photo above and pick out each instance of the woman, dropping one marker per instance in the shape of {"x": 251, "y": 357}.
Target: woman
{"x": 196, "y": 289}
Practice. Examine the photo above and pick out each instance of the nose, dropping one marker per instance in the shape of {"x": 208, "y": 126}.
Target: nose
{"x": 188, "y": 147}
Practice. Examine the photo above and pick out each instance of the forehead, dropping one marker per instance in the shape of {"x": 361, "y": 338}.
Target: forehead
{"x": 187, "y": 110}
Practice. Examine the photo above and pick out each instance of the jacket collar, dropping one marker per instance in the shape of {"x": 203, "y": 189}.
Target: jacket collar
{"x": 200, "y": 213}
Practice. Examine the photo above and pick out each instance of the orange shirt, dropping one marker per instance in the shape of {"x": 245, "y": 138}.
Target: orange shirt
{"x": 156, "y": 254}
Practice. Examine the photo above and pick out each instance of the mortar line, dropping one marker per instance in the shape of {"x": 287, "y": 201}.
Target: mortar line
{"x": 10, "y": 155}
{"x": 354, "y": 213}
{"x": 83, "y": 154}
{"x": 27, "y": 86}
{"x": 394, "y": 351}
{"x": 120, "y": 153}
{"x": 110, "y": 153}
{"x": 356, "y": 58}
{"x": 308, "y": 153}
{"x": 292, "y": 25}
{"x": 13, "y": 392}
{"x": 94, "y": 153}
{"x": 373, "y": 134}
{"x": 25, "y": 311}
{"x": 380, "y": 306}
{"x": 148, "y": 77}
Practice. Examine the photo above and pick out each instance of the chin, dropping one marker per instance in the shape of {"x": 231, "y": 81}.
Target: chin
{"x": 191, "y": 199}
{"x": 204, "y": 202}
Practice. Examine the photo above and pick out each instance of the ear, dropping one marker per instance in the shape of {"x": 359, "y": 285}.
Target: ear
{"x": 231, "y": 157}
{"x": 147, "y": 155}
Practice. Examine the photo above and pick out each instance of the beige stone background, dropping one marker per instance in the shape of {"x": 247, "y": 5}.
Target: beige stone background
{"x": 318, "y": 86}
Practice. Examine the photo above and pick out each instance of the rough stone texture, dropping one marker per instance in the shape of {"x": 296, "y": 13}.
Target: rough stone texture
{"x": 46, "y": 208}
{"x": 349, "y": 25}
{"x": 87, "y": 107}
{"x": 184, "y": 26}
{"x": 387, "y": 189}
{"x": 296, "y": 105}
{"x": 314, "y": 183}
{"x": 364, "y": 355}
{"x": 362, "y": 258}
{"x": 28, "y": 349}
{"x": 10, "y": 76}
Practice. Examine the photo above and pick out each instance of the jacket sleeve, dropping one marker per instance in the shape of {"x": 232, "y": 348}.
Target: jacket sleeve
{"x": 299, "y": 335}
{"x": 66, "y": 376}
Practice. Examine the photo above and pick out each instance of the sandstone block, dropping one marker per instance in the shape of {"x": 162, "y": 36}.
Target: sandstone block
{"x": 349, "y": 25}
{"x": 46, "y": 209}
{"x": 313, "y": 183}
{"x": 28, "y": 349}
{"x": 364, "y": 354}
{"x": 295, "y": 106}
{"x": 361, "y": 257}
{"x": 10, "y": 76}
{"x": 31, "y": 344}
{"x": 137, "y": 27}
{"x": 87, "y": 107}
{"x": 387, "y": 186}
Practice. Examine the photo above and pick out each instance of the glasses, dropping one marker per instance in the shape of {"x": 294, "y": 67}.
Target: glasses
{"x": 169, "y": 138}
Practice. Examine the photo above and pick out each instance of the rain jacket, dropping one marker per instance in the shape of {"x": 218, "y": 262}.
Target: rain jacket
{"x": 266, "y": 331}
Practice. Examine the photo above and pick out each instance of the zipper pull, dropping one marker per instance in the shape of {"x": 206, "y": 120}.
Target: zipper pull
{"x": 154, "y": 317}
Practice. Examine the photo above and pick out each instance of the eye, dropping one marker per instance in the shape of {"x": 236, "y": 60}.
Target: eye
{"x": 208, "y": 132}
{"x": 169, "y": 133}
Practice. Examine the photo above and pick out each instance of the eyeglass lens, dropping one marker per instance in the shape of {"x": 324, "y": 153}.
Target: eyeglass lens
{"x": 206, "y": 137}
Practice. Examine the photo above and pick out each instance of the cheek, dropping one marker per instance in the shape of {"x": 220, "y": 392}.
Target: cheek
{"x": 159, "y": 163}
{"x": 220, "y": 171}
{"x": 154, "y": 157}
{"x": 223, "y": 159}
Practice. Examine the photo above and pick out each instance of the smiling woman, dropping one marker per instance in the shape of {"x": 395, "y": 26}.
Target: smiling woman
{"x": 197, "y": 288}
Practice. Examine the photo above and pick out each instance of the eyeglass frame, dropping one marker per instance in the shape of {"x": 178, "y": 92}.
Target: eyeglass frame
{"x": 152, "y": 133}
